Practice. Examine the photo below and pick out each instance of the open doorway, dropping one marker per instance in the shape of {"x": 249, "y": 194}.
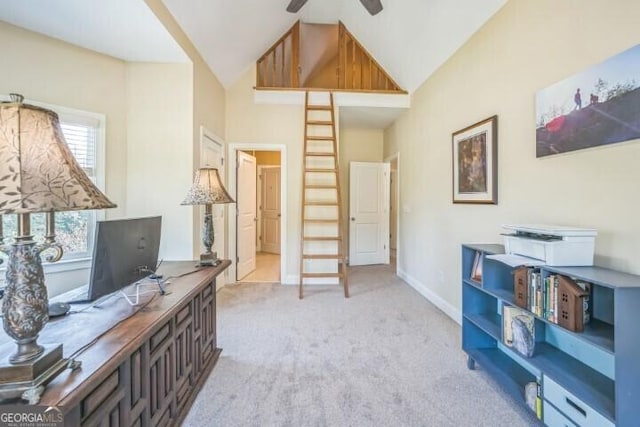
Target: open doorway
{"x": 258, "y": 229}
{"x": 394, "y": 188}
{"x": 393, "y": 210}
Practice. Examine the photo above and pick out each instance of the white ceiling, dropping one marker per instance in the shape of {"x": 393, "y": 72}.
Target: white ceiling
{"x": 409, "y": 38}
{"x": 125, "y": 29}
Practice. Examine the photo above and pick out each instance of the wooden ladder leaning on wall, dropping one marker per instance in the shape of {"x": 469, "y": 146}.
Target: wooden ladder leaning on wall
{"x": 322, "y": 236}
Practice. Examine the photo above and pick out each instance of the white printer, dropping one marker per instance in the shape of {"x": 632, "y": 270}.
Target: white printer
{"x": 552, "y": 244}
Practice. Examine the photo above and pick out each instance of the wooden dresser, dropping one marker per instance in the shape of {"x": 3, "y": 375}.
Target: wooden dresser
{"x": 147, "y": 364}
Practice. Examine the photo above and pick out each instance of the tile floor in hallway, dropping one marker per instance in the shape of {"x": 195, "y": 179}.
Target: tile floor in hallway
{"x": 267, "y": 269}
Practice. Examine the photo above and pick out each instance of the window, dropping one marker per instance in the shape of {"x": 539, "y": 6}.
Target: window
{"x": 84, "y": 133}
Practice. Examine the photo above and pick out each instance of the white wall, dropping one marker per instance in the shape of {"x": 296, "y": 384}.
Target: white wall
{"x": 160, "y": 151}
{"x": 527, "y": 46}
{"x": 252, "y": 123}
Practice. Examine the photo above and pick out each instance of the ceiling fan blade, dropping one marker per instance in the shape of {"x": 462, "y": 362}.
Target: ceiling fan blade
{"x": 295, "y": 5}
{"x": 372, "y": 6}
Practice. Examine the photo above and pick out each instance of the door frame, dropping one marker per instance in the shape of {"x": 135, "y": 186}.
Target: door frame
{"x": 210, "y": 138}
{"x": 389, "y": 159}
{"x": 233, "y": 216}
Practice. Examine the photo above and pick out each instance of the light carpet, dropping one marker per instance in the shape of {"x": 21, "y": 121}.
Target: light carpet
{"x": 384, "y": 357}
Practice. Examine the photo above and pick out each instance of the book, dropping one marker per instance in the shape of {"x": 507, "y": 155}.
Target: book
{"x": 518, "y": 330}
{"x": 476, "y": 269}
{"x": 538, "y": 399}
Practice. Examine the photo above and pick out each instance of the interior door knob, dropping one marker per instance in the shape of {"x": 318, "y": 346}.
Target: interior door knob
{"x": 353, "y": 218}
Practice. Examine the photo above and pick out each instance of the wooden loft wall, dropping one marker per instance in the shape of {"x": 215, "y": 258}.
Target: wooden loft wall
{"x": 279, "y": 66}
{"x": 353, "y": 68}
{"x": 357, "y": 70}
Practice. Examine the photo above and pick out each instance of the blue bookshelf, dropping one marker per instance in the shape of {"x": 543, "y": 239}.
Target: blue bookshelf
{"x": 590, "y": 378}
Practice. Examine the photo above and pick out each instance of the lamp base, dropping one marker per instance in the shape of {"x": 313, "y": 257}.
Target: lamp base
{"x": 209, "y": 259}
{"x": 27, "y": 380}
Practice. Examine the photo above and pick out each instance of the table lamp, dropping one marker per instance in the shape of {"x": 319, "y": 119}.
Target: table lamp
{"x": 207, "y": 190}
{"x": 38, "y": 173}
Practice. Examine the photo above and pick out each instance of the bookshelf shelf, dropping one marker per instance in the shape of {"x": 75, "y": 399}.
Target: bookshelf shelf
{"x": 511, "y": 376}
{"x": 589, "y": 378}
{"x": 491, "y": 323}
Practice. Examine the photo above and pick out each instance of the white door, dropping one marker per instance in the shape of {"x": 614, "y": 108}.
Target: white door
{"x": 368, "y": 213}
{"x": 393, "y": 210}
{"x": 211, "y": 156}
{"x": 246, "y": 205}
{"x": 270, "y": 208}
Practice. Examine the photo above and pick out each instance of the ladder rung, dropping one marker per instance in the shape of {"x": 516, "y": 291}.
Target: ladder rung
{"x": 319, "y": 154}
{"x": 319, "y": 187}
{"x": 323, "y": 256}
{"x": 318, "y": 107}
{"x": 321, "y": 274}
{"x": 320, "y": 122}
{"x": 321, "y": 239}
{"x": 320, "y": 170}
{"x": 319, "y": 138}
{"x": 321, "y": 221}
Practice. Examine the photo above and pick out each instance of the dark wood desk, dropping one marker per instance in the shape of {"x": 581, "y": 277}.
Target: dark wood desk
{"x": 147, "y": 364}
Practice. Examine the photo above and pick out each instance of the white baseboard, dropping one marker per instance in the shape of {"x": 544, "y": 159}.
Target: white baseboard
{"x": 434, "y": 298}
{"x": 291, "y": 279}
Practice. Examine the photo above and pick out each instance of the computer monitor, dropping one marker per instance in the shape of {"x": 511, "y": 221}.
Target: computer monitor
{"x": 125, "y": 251}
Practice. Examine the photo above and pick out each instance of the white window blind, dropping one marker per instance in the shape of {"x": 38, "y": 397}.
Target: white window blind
{"x": 81, "y": 140}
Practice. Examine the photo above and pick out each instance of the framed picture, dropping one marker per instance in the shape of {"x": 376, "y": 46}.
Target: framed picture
{"x": 476, "y": 271}
{"x": 598, "y": 106}
{"x": 475, "y": 163}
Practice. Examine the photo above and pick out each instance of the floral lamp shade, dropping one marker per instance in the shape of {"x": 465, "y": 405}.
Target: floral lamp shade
{"x": 38, "y": 172}
{"x": 207, "y": 189}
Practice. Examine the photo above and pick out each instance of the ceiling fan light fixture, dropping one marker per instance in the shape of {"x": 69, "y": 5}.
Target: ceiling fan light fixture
{"x": 373, "y": 6}
{"x": 295, "y": 5}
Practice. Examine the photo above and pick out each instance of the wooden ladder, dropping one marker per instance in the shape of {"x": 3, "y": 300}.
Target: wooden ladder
{"x": 321, "y": 240}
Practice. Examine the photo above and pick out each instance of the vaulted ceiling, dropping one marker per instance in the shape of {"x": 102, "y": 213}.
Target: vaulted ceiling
{"x": 409, "y": 38}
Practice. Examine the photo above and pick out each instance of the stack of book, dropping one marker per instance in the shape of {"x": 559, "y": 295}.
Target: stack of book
{"x": 540, "y": 294}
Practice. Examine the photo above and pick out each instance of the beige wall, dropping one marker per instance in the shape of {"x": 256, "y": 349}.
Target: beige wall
{"x": 151, "y": 126}
{"x": 356, "y": 145}
{"x": 527, "y": 46}
{"x": 250, "y": 123}
{"x": 208, "y": 104}
{"x": 50, "y": 71}
{"x": 160, "y": 151}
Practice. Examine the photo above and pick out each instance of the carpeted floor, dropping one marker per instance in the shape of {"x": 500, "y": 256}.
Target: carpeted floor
{"x": 384, "y": 357}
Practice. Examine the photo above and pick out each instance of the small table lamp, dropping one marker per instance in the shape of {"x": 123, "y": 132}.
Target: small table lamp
{"x": 38, "y": 173}
{"x": 207, "y": 190}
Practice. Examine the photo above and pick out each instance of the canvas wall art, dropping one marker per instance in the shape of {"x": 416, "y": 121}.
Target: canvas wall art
{"x": 598, "y": 106}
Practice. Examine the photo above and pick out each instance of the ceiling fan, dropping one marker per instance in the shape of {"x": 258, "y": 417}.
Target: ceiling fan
{"x": 372, "y": 6}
